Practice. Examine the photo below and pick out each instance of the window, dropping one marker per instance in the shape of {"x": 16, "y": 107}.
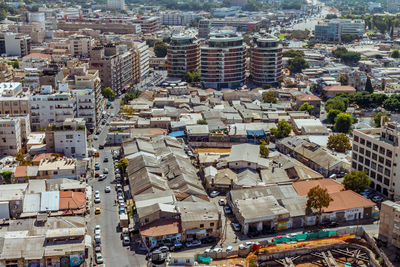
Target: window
{"x": 355, "y": 138}
{"x": 355, "y": 148}
{"x": 362, "y": 141}
{"x": 355, "y": 156}
{"x": 360, "y": 167}
{"x": 380, "y": 168}
{"x": 374, "y": 156}
{"x": 381, "y": 160}
{"x": 372, "y": 175}
{"x": 202, "y": 225}
{"x": 361, "y": 150}
{"x": 369, "y": 144}
{"x": 368, "y": 153}
{"x": 69, "y": 136}
{"x": 367, "y": 162}
{"x": 382, "y": 150}
{"x": 388, "y": 163}
{"x": 388, "y": 153}
{"x": 386, "y": 181}
{"x": 387, "y": 172}
{"x": 379, "y": 178}
{"x": 373, "y": 165}
{"x": 361, "y": 159}
{"x": 211, "y": 224}
{"x": 375, "y": 147}
{"x": 354, "y": 165}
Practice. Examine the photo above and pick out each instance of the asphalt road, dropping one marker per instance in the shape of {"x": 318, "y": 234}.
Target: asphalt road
{"x": 113, "y": 252}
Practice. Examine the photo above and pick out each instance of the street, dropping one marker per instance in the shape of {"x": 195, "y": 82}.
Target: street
{"x": 113, "y": 252}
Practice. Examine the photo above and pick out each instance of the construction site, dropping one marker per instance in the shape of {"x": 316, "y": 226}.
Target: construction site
{"x": 327, "y": 248}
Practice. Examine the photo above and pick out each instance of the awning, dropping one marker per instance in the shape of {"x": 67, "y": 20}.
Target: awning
{"x": 196, "y": 232}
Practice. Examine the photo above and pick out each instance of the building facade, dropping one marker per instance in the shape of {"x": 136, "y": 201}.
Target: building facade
{"x": 183, "y": 55}
{"x": 333, "y": 30}
{"x": 377, "y": 151}
{"x": 266, "y": 60}
{"x": 223, "y": 61}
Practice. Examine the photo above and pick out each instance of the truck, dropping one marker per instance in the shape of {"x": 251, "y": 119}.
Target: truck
{"x": 123, "y": 221}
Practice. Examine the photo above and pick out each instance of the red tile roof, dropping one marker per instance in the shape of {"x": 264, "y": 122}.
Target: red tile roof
{"x": 348, "y": 199}
{"x": 20, "y": 172}
{"x": 72, "y": 200}
{"x": 161, "y": 227}
{"x": 302, "y": 187}
{"x": 308, "y": 97}
{"x": 39, "y": 157}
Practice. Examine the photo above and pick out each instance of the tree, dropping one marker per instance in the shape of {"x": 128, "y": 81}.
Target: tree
{"x": 335, "y": 103}
{"x": 7, "y": 175}
{"x": 160, "y": 49}
{"x": 357, "y": 181}
{"x": 283, "y": 130}
{"x": 331, "y": 16}
{"x": 395, "y": 53}
{"x": 368, "y": 86}
{"x": 332, "y": 114}
{"x": 122, "y": 164}
{"x": 348, "y": 38}
{"x": 307, "y": 107}
{"x": 297, "y": 64}
{"x": 108, "y": 93}
{"x": 318, "y": 198}
{"x": 293, "y": 53}
{"x": 343, "y": 122}
{"x": 339, "y": 142}
{"x": 343, "y": 79}
{"x": 378, "y": 119}
{"x": 202, "y": 122}
{"x": 269, "y": 97}
{"x": 192, "y": 76}
{"x": 264, "y": 150}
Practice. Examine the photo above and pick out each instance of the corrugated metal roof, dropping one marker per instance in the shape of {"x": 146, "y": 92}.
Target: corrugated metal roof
{"x": 31, "y": 203}
{"x": 50, "y": 201}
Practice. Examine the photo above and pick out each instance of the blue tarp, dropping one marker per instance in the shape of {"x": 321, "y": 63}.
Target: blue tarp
{"x": 256, "y": 133}
{"x": 177, "y": 134}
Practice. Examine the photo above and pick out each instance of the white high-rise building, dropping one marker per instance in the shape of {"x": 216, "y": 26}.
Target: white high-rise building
{"x": 116, "y": 4}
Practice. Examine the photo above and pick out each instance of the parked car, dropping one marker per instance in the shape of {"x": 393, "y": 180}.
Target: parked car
{"x": 217, "y": 250}
{"x": 105, "y": 170}
{"x": 208, "y": 250}
{"x": 95, "y": 137}
{"x": 97, "y": 167}
{"x": 97, "y": 238}
{"x": 221, "y": 202}
{"x": 101, "y": 146}
{"x": 97, "y": 193}
{"x": 126, "y": 241}
{"x": 96, "y": 174}
{"x": 121, "y": 210}
{"x": 97, "y": 199}
{"x": 176, "y": 246}
{"x": 105, "y": 159}
{"x": 97, "y": 230}
{"x": 209, "y": 239}
{"x": 163, "y": 249}
{"x": 227, "y": 210}
{"x": 102, "y": 177}
{"x": 99, "y": 258}
{"x": 236, "y": 227}
{"x": 107, "y": 189}
{"x": 97, "y": 248}
{"x": 214, "y": 194}
{"x": 229, "y": 249}
{"x": 97, "y": 210}
{"x": 193, "y": 243}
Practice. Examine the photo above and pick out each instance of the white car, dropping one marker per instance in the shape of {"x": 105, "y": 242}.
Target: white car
{"x": 222, "y": 202}
{"x": 214, "y": 194}
{"x": 97, "y": 230}
{"x": 97, "y": 238}
{"x": 229, "y": 249}
{"x": 97, "y": 193}
{"x": 105, "y": 171}
{"x": 95, "y": 137}
{"x": 97, "y": 199}
{"x": 217, "y": 250}
{"x": 99, "y": 258}
{"x": 207, "y": 250}
{"x": 107, "y": 189}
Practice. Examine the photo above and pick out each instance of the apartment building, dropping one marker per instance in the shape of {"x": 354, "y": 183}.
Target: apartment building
{"x": 266, "y": 60}
{"x": 14, "y": 131}
{"x": 183, "y": 55}
{"x": 52, "y": 108}
{"x": 332, "y": 30}
{"x": 79, "y": 45}
{"x": 86, "y": 106}
{"x": 68, "y": 139}
{"x": 107, "y": 61}
{"x": 377, "y": 152}
{"x": 142, "y": 59}
{"x": 393, "y": 6}
{"x": 119, "y": 26}
{"x": 204, "y": 28}
{"x": 81, "y": 78}
{"x": 148, "y": 24}
{"x": 116, "y": 4}
{"x": 389, "y": 224}
{"x": 12, "y": 101}
{"x": 15, "y": 44}
{"x": 223, "y": 60}
{"x": 178, "y": 18}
